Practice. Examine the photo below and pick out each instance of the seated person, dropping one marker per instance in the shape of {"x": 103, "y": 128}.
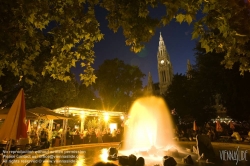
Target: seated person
{"x": 183, "y": 136}
{"x": 77, "y": 132}
{"x": 57, "y": 141}
{"x": 34, "y": 140}
{"x": 45, "y": 145}
{"x": 33, "y": 133}
{"x": 211, "y": 134}
{"x": 54, "y": 133}
{"x": 44, "y": 135}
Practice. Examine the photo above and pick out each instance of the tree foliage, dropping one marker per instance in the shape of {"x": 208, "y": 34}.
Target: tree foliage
{"x": 225, "y": 29}
{"x": 232, "y": 87}
{"x": 74, "y": 29}
{"x": 71, "y": 24}
{"x": 51, "y": 93}
{"x": 223, "y": 26}
{"x": 197, "y": 96}
{"x": 177, "y": 93}
{"x": 117, "y": 83}
{"x": 46, "y": 92}
{"x": 86, "y": 98}
{"x": 189, "y": 99}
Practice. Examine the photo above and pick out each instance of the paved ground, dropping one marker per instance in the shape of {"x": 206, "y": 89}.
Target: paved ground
{"x": 88, "y": 154}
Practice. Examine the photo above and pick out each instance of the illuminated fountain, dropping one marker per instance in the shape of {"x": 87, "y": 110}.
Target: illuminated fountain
{"x": 149, "y": 126}
{"x": 148, "y": 134}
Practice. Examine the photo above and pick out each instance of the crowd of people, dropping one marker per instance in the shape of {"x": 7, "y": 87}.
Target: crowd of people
{"x": 96, "y": 135}
{"x": 184, "y": 132}
{"x": 39, "y": 138}
{"x": 233, "y": 133}
{"x": 91, "y": 135}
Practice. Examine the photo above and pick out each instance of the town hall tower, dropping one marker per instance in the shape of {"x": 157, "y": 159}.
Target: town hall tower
{"x": 165, "y": 70}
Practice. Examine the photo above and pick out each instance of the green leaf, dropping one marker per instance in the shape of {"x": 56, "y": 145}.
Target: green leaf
{"x": 164, "y": 21}
{"x": 77, "y": 55}
{"x": 222, "y": 28}
{"x": 37, "y": 47}
{"x": 87, "y": 36}
{"x": 13, "y": 65}
{"x": 207, "y": 48}
{"x": 180, "y": 18}
{"x": 23, "y": 45}
{"x": 29, "y": 81}
{"x": 31, "y": 18}
{"x": 205, "y": 9}
{"x": 204, "y": 44}
{"x": 53, "y": 76}
{"x": 69, "y": 46}
{"x": 67, "y": 78}
{"x": 195, "y": 35}
{"x": 225, "y": 34}
{"x": 93, "y": 78}
{"x": 88, "y": 20}
{"x": 73, "y": 63}
{"x": 83, "y": 64}
{"x": 189, "y": 19}
{"x": 43, "y": 73}
{"x": 100, "y": 37}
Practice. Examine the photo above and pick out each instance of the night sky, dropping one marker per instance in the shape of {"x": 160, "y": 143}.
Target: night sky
{"x": 177, "y": 38}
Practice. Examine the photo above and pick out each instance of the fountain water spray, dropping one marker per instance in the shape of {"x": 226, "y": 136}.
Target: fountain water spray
{"x": 149, "y": 125}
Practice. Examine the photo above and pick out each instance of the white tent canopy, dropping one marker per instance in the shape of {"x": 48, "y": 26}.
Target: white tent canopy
{"x": 86, "y": 111}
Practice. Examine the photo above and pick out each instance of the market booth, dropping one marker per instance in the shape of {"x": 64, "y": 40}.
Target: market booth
{"x": 82, "y": 114}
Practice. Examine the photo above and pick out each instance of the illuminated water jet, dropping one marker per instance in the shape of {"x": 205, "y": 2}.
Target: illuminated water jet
{"x": 149, "y": 125}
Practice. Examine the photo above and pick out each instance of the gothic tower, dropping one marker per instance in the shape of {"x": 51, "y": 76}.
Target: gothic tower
{"x": 165, "y": 70}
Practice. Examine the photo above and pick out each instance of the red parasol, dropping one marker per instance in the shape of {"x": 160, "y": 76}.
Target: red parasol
{"x": 14, "y": 126}
{"x": 218, "y": 127}
{"x": 195, "y": 126}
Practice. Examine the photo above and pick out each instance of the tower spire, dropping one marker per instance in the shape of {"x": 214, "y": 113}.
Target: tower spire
{"x": 165, "y": 70}
{"x": 161, "y": 43}
{"x": 161, "y": 36}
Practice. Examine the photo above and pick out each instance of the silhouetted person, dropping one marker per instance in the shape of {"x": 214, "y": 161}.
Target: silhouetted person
{"x": 105, "y": 135}
{"x": 118, "y": 135}
{"x": 140, "y": 161}
{"x": 68, "y": 137}
{"x": 92, "y": 136}
{"x": 132, "y": 160}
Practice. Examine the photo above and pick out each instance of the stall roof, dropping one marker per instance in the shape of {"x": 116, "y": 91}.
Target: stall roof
{"x": 29, "y": 115}
{"x": 87, "y": 111}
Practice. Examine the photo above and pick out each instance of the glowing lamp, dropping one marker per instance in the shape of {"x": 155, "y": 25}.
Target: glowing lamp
{"x": 106, "y": 117}
{"x": 82, "y": 115}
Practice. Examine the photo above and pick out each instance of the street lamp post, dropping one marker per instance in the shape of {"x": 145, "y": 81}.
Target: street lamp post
{"x": 82, "y": 121}
{"x": 65, "y": 127}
